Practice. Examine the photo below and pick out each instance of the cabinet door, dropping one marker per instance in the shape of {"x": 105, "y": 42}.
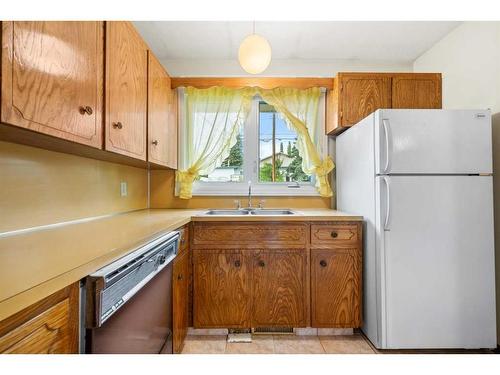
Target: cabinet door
{"x": 416, "y": 91}
{"x": 222, "y": 289}
{"x": 162, "y": 116}
{"x": 336, "y": 288}
{"x": 126, "y": 90}
{"x": 47, "y": 327}
{"x": 279, "y": 288}
{"x": 52, "y": 78}
{"x": 362, "y": 94}
{"x": 180, "y": 300}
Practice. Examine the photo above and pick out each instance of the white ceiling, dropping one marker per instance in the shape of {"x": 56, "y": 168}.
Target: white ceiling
{"x": 339, "y": 40}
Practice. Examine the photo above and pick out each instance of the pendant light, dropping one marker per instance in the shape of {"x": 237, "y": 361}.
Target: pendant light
{"x": 254, "y": 54}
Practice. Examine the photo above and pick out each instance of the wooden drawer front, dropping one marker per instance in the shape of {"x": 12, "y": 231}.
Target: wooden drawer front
{"x": 184, "y": 239}
{"x": 249, "y": 235}
{"x": 324, "y": 234}
{"x": 46, "y": 333}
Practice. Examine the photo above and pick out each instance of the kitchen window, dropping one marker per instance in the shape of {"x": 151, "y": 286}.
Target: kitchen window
{"x": 265, "y": 153}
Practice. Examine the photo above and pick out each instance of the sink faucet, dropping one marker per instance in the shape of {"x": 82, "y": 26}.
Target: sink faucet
{"x": 249, "y": 194}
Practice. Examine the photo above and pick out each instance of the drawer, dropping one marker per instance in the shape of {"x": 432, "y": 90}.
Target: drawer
{"x": 48, "y": 326}
{"x": 325, "y": 234}
{"x": 249, "y": 235}
{"x": 184, "y": 238}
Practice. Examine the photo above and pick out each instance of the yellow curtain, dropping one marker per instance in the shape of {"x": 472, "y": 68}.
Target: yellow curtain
{"x": 299, "y": 109}
{"x": 213, "y": 117}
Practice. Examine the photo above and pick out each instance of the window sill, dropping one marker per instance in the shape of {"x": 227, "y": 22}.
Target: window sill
{"x": 261, "y": 190}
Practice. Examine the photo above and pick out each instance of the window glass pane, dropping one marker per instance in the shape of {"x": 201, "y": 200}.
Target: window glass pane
{"x": 231, "y": 169}
{"x": 279, "y": 159}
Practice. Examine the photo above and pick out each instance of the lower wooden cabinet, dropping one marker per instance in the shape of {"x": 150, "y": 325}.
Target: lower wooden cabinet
{"x": 47, "y": 327}
{"x": 277, "y": 281}
{"x": 222, "y": 289}
{"x": 180, "y": 300}
{"x": 279, "y": 286}
{"x": 336, "y": 288}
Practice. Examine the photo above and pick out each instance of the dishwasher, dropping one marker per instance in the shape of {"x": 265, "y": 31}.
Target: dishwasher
{"x": 127, "y": 305}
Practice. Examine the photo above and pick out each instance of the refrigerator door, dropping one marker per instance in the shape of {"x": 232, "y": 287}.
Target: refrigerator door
{"x": 436, "y": 239}
{"x": 432, "y": 141}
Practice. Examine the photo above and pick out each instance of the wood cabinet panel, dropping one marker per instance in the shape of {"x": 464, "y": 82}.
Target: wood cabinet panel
{"x": 52, "y": 78}
{"x": 331, "y": 234}
{"x": 162, "y": 116}
{"x": 361, "y": 95}
{"x": 222, "y": 289}
{"x": 279, "y": 288}
{"x": 336, "y": 288}
{"x": 184, "y": 238}
{"x": 180, "y": 300}
{"x": 251, "y": 235}
{"x": 126, "y": 90}
{"x": 356, "y": 95}
{"x": 47, "y": 327}
{"x": 416, "y": 91}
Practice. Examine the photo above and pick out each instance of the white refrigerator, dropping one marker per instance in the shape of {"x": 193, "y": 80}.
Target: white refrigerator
{"x": 422, "y": 180}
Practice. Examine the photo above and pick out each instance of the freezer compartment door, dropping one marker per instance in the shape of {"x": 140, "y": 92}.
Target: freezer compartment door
{"x": 432, "y": 141}
{"x": 438, "y": 262}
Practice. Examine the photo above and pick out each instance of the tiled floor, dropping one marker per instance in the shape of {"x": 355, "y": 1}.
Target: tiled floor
{"x": 279, "y": 344}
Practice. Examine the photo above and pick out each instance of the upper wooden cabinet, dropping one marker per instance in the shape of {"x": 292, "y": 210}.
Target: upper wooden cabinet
{"x": 362, "y": 94}
{"x": 126, "y": 90}
{"x": 356, "y": 95}
{"x": 52, "y": 78}
{"x": 416, "y": 91}
{"x": 162, "y": 116}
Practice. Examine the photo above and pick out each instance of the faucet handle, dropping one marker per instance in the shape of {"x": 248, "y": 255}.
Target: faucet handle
{"x": 238, "y": 204}
{"x": 261, "y": 203}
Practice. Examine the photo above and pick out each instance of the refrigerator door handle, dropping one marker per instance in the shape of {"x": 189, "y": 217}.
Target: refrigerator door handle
{"x": 387, "y": 204}
{"x": 387, "y": 134}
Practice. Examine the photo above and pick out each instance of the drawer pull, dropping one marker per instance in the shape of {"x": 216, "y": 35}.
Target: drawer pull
{"x": 261, "y": 263}
{"x": 117, "y": 125}
{"x": 334, "y": 234}
{"x": 237, "y": 263}
{"x": 323, "y": 263}
{"x": 86, "y": 110}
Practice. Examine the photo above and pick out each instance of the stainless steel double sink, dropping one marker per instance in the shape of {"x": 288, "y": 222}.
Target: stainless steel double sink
{"x": 250, "y": 211}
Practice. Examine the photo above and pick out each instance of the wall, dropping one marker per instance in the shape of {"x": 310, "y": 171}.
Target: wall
{"x": 281, "y": 68}
{"x": 469, "y": 58}
{"x": 39, "y": 187}
{"x": 162, "y": 196}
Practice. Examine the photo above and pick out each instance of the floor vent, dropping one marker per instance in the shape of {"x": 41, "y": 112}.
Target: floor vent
{"x": 273, "y": 331}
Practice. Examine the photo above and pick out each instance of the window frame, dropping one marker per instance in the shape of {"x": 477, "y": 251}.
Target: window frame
{"x": 251, "y": 163}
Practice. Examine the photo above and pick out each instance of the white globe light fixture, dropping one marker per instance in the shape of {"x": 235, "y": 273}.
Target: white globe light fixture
{"x": 254, "y": 54}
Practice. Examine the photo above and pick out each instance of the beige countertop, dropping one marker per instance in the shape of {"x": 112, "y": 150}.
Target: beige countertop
{"x": 35, "y": 264}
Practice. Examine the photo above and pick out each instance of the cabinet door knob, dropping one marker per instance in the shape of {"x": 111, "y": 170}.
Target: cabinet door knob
{"x": 179, "y": 277}
{"x": 86, "y": 110}
{"x": 155, "y": 142}
{"x": 261, "y": 263}
{"x": 117, "y": 125}
{"x": 322, "y": 263}
{"x": 237, "y": 263}
{"x": 334, "y": 234}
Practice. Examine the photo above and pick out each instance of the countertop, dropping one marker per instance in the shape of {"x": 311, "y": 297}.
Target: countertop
{"x": 35, "y": 264}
